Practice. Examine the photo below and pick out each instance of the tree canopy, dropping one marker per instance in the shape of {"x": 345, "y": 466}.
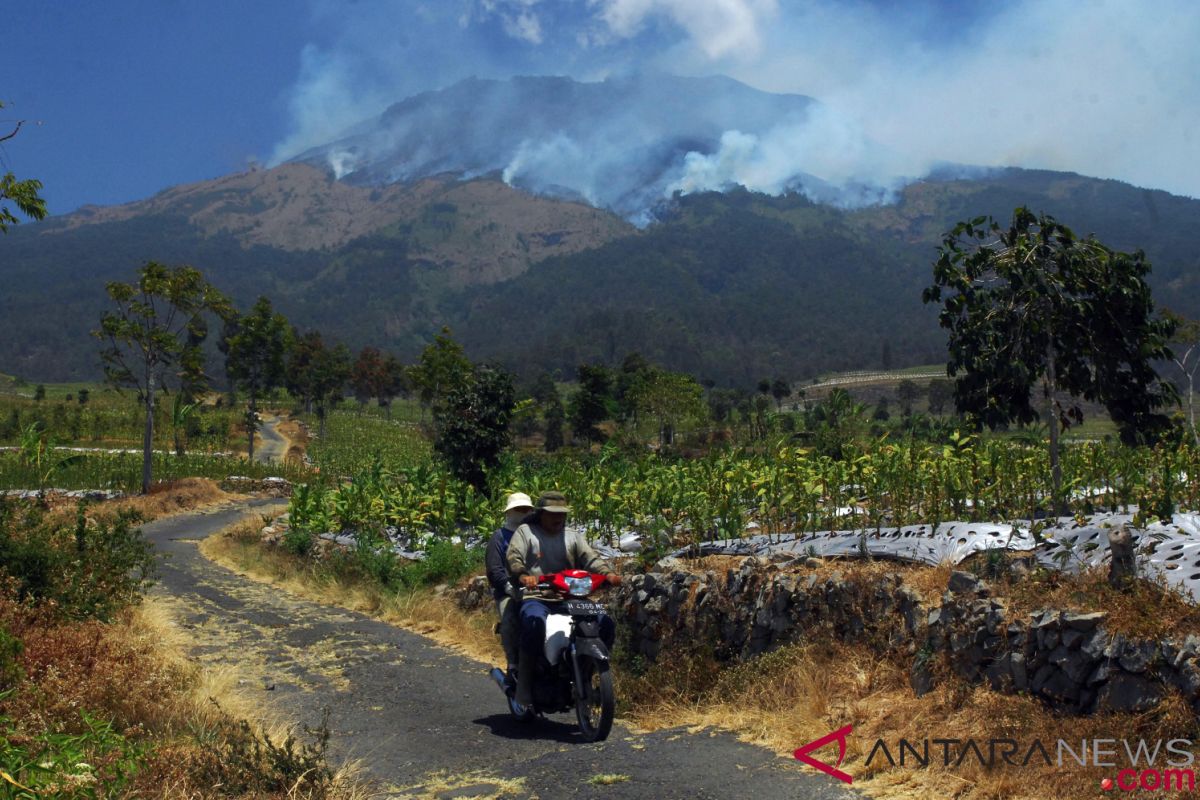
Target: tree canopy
{"x": 24, "y": 194}
{"x": 153, "y": 336}
{"x": 1035, "y": 304}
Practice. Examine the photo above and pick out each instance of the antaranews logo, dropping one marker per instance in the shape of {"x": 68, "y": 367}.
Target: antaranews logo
{"x": 802, "y": 753}
{"x": 1143, "y": 765}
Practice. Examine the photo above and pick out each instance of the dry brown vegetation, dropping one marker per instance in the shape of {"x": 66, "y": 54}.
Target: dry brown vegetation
{"x": 799, "y": 693}
{"x": 165, "y": 499}
{"x": 196, "y": 734}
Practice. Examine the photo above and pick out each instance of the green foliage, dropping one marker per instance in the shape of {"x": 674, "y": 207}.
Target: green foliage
{"x": 472, "y": 425}
{"x": 254, "y": 354}
{"x": 155, "y": 328}
{"x": 1033, "y": 303}
{"x": 442, "y": 368}
{"x": 24, "y": 194}
{"x": 90, "y": 570}
{"x": 96, "y": 762}
{"x": 444, "y": 562}
{"x": 10, "y": 668}
{"x": 589, "y": 406}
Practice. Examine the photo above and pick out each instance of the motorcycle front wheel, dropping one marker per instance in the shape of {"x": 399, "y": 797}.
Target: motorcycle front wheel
{"x": 594, "y": 699}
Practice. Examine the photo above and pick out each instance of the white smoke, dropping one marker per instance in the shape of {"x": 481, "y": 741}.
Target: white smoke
{"x": 825, "y": 156}
{"x": 1105, "y": 88}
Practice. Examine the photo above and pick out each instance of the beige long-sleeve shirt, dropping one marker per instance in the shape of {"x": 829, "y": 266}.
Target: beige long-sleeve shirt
{"x": 533, "y": 551}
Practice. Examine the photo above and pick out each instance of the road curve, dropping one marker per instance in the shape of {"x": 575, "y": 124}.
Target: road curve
{"x": 410, "y": 710}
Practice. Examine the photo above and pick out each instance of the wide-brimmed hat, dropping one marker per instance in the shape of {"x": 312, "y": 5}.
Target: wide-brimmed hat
{"x": 554, "y": 502}
{"x": 518, "y": 500}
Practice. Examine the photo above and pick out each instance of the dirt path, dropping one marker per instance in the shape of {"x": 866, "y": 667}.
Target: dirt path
{"x": 426, "y": 722}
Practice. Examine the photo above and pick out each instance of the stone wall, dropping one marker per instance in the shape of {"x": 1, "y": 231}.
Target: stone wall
{"x": 1067, "y": 659}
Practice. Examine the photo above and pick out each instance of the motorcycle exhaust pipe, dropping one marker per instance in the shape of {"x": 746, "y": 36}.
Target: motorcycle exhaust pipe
{"x": 497, "y": 675}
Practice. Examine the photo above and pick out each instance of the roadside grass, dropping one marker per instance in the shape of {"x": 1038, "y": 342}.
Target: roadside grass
{"x": 799, "y": 693}
{"x": 97, "y": 696}
{"x": 426, "y": 609}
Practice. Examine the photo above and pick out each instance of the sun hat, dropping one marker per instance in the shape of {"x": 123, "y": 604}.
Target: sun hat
{"x": 518, "y": 500}
{"x": 554, "y": 502}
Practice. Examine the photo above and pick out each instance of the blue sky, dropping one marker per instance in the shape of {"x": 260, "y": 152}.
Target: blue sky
{"x": 127, "y": 97}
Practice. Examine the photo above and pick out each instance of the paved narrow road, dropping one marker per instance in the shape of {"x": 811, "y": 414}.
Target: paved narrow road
{"x": 411, "y": 710}
{"x": 270, "y": 447}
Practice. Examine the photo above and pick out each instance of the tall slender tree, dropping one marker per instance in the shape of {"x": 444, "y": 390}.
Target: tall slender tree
{"x": 255, "y": 358}
{"x": 151, "y": 333}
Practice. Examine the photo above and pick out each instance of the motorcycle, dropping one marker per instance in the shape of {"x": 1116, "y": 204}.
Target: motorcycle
{"x": 573, "y": 668}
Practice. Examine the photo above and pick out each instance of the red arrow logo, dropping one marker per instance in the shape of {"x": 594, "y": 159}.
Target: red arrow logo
{"x": 840, "y": 735}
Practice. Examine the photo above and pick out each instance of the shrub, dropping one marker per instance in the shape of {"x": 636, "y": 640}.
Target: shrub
{"x": 444, "y": 562}
{"x": 89, "y": 570}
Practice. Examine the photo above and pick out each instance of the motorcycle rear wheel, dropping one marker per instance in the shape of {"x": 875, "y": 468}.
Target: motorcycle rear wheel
{"x": 594, "y": 700}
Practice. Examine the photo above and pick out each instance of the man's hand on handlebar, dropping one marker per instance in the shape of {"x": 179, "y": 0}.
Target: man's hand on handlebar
{"x": 529, "y": 581}
{"x": 613, "y": 579}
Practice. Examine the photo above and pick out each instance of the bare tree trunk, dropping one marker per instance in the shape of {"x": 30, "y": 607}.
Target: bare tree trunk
{"x": 252, "y": 424}
{"x": 1057, "y": 504}
{"x": 148, "y": 438}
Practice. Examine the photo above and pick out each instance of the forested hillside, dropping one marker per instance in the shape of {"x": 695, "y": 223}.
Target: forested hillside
{"x": 728, "y": 286}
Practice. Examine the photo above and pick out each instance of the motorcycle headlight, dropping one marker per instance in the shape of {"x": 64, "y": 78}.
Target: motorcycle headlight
{"x": 579, "y": 587}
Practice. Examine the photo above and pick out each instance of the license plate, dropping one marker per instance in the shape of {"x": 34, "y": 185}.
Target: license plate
{"x": 584, "y": 607}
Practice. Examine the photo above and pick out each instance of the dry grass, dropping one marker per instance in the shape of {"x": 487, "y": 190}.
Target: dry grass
{"x": 164, "y": 500}
{"x": 134, "y": 673}
{"x": 296, "y": 435}
{"x": 800, "y": 693}
{"x": 427, "y": 612}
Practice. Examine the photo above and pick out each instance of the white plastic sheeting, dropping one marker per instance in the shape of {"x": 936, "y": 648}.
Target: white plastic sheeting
{"x": 1170, "y": 549}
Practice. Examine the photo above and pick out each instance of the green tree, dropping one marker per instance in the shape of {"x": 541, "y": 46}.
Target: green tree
{"x": 588, "y": 407}
{"x": 472, "y": 424}
{"x": 39, "y": 393}
{"x": 393, "y": 384}
{"x": 668, "y": 397}
{"x": 555, "y": 417}
{"x": 150, "y": 332}
{"x": 367, "y": 376}
{"x": 907, "y": 393}
{"x": 780, "y": 390}
{"x": 324, "y": 372}
{"x": 441, "y": 368}
{"x": 939, "y": 393}
{"x": 1034, "y": 304}
{"x": 299, "y": 378}
{"x": 23, "y": 194}
{"x": 256, "y": 357}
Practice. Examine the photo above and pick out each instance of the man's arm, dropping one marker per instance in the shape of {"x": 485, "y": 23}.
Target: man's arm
{"x": 587, "y": 558}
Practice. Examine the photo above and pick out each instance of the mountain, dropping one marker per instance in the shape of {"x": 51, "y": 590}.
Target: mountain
{"x": 731, "y": 286}
{"x": 618, "y": 144}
